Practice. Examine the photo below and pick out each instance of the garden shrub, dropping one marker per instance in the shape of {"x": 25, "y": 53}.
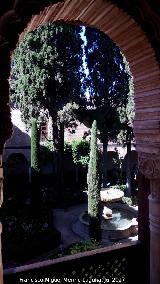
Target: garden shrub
{"x": 68, "y": 148}
{"x": 79, "y": 150}
{"x": 119, "y": 186}
{"x": 83, "y": 246}
{"x": 127, "y": 200}
{"x": 25, "y": 237}
{"x": 131, "y": 201}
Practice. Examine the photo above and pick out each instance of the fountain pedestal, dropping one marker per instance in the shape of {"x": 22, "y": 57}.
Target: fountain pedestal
{"x": 107, "y": 196}
{"x": 107, "y": 213}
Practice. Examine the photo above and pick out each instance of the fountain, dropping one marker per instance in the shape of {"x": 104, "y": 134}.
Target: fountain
{"x": 118, "y": 221}
{"x": 107, "y": 196}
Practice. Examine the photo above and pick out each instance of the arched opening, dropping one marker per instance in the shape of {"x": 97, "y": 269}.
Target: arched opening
{"x": 115, "y": 90}
{"x": 144, "y": 67}
{"x": 16, "y": 170}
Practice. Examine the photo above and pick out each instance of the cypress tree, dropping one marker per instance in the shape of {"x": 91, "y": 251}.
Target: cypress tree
{"x": 35, "y": 170}
{"x": 94, "y": 188}
{"x": 34, "y": 146}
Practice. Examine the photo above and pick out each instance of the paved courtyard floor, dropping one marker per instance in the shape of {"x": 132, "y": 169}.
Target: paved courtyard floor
{"x": 63, "y": 221}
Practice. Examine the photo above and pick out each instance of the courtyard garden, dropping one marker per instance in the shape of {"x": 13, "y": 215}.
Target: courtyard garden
{"x": 70, "y": 75}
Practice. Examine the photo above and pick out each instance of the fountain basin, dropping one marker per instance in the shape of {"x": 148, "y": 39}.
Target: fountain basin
{"x": 123, "y": 223}
{"x": 111, "y": 195}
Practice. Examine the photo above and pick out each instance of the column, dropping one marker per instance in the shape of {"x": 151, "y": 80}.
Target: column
{"x": 143, "y": 222}
{"x": 154, "y": 216}
{"x": 149, "y": 165}
{"x": 1, "y": 199}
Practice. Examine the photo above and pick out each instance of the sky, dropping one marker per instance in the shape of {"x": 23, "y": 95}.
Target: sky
{"x": 85, "y": 42}
{"x": 83, "y": 58}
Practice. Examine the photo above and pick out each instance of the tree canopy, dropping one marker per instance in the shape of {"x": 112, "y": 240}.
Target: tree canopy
{"x": 48, "y": 78}
{"x": 47, "y": 70}
{"x": 109, "y": 86}
{"x": 108, "y": 79}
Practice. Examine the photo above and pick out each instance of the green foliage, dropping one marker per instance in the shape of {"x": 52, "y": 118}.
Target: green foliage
{"x": 35, "y": 170}
{"x": 117, "y": 162}
{"x": 26, "y": 226}
{"x": 119, "y": 186}
{"x": 79, "y": 149}
{"x": 47, "y": 74}
{"x": 131, "y": 201}
{"x": 80, "y": 152}
{"x": 67, "y": 115}
{"x": 84, "y": 246}
{"x": 77, "y": 247}
{"x": 93, "y": 187}
{"x": 127, "y": 200}
{"x": 67, "y": 148}
{"x": 49, "y": 145}
{"x": 93, "y": 176}
{"x": 47, "y": 70}
{"x": 25, "y": 236}
{"x": 108, "y": 82}
{"x": 127, "y": 112}
{"x": 34, "y": 146}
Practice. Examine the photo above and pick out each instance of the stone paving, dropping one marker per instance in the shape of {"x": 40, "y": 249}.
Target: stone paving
{"x": 63, "y": 221}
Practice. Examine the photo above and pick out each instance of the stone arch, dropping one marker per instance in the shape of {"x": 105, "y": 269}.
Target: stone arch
{"x": 18, "y": 153}
{"x": 138, "y": 51}
{"x": 16, "y": 171}
{"x": 19, "y": 157}
{"x": 124, "y": 31}
{"x": 18, "y": 165}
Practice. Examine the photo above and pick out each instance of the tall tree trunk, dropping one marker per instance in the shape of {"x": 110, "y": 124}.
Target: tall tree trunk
{"x": 58, "y": 140}
{"x": 60, "y": 178}
{"x": 77, "y": 174}
{"x": 104, "y": 157}
{"x": 128, "y": 170}
{"x": 55, "y": 143}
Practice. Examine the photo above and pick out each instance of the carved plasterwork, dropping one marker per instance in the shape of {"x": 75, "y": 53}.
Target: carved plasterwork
{"x": 149, "y": 165}
{"x": 155, "y": 189}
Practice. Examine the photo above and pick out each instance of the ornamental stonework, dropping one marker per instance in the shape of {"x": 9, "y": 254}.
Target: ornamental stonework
{"x": 149, "y": 165}
{"x": 155, "y": 190}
